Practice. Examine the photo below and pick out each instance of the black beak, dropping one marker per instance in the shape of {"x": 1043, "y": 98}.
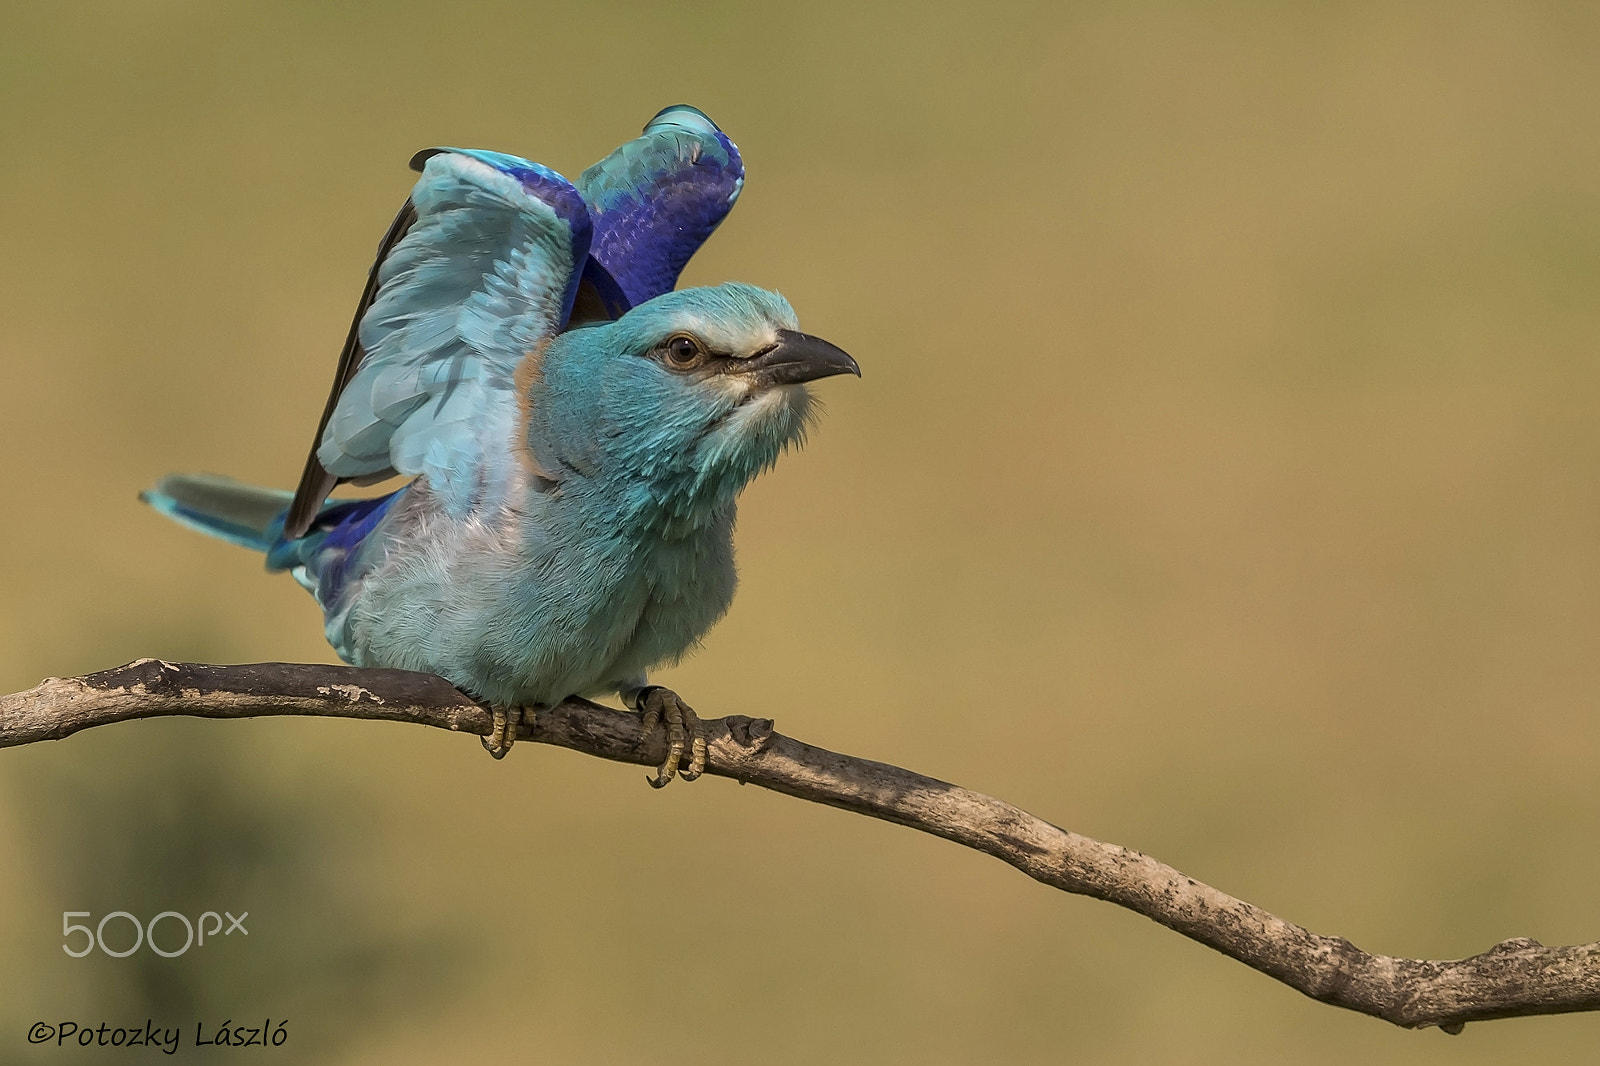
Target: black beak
{"x": 796, "y": 358}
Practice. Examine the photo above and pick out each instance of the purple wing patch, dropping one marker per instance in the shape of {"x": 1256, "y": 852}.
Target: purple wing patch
{"x": 656, "y": 199}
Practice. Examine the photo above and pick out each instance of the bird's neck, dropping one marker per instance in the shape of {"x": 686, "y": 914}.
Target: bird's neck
{"x": 658, "y": 488}
{"x": 669, "y": 504}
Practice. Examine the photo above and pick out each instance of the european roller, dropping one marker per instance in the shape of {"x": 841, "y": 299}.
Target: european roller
{"x": 576, "y": 431}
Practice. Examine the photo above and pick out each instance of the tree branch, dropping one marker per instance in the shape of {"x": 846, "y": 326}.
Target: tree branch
{"x": 1514, "y": 978}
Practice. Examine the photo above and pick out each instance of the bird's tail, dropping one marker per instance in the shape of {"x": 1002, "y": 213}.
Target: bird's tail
{"x": 231, "y": 510}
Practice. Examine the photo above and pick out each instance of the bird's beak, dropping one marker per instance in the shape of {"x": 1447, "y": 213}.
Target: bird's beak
{"x": 796, "y": 358}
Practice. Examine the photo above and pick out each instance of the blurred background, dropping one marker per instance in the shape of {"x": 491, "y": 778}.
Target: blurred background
{"x": 1224, "y": 482}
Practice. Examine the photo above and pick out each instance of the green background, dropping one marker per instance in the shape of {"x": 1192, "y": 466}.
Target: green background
{"x": 1222, "y": 483}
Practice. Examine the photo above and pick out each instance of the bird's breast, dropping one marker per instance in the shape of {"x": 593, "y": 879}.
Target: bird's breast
{"x": 533, "y": 605}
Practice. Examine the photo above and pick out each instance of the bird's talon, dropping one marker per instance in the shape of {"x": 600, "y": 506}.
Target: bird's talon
{"x": 697, "y": 754}
{"x": 503, "y": 730}
{"x": 663, "y": 706}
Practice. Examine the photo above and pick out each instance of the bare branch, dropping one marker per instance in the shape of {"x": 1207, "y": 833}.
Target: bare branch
{"x": 1514, "y": 978}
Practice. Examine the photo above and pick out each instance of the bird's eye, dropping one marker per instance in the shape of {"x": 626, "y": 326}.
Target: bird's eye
{"x": 683, "y": 351}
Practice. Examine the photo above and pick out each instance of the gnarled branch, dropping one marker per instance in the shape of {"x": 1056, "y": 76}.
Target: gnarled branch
{"x": 1514, "y": 978}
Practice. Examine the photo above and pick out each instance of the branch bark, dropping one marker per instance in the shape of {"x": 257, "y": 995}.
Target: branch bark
{"x": 1514, "y": 978}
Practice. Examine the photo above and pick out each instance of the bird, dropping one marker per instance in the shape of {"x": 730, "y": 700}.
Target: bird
{"x": 575, "y": 462}
{"x": 652, "y": 202}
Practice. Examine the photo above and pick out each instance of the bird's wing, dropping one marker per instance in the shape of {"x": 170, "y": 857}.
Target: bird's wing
{"x": 315, "y": 482}
{"x": 481, "y": 276}
{"x": 654, "y": 201}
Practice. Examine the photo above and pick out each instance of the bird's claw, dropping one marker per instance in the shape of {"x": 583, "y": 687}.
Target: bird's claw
{"x": 503, "y": 733}
{"x": 684, "y": 730}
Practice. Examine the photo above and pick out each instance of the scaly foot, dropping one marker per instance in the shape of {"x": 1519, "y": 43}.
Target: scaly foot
{"x": 660, "y": 705}
{"x": 504, "y": 732}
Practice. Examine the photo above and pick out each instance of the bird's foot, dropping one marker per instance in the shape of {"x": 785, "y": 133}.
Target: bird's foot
{"x": 503, "y": 733}
{"x": 662, "y": 705}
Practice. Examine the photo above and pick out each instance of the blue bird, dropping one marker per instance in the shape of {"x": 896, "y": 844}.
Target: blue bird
{"x": 569, "y": 523}
{"x": 652, "y": 203}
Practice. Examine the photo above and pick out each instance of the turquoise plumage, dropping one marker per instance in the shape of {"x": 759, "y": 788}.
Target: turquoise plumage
{"x": 569, "y": 522}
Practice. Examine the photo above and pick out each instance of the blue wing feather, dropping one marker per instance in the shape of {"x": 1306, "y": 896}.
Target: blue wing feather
{"x": 656, "y": 199}
{"x": 488, "y": 271}
{"x": 332, "y": 551}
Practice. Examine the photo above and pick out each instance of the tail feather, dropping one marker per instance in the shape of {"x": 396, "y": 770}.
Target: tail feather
{"x": 241, "y": 514}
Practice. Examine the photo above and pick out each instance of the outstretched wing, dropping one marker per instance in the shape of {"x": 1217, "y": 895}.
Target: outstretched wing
{"x": 315, "y": 482}
{"x": 484, "y": 273}
{"x": 654, "y": 201}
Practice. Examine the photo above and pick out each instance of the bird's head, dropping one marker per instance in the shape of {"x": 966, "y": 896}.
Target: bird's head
{"x": 682, "y": 400}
